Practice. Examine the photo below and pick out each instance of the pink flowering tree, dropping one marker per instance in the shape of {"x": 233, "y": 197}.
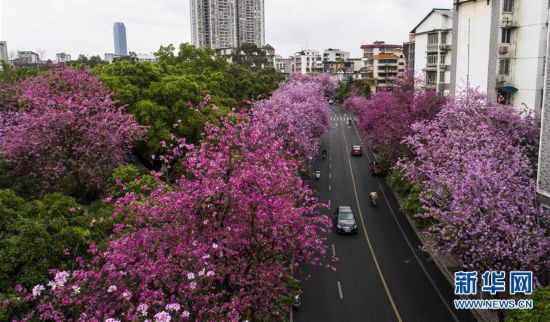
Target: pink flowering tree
{"x": 298, "y": 112}
{"x": 68, "y": 133}
{"x": 475, "y": 162}
{"x": 386, "y": 118}
{"x": 219, "y": 245}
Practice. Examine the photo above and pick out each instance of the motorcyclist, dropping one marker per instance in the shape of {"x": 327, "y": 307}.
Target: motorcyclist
{"x": 373, "y": 197}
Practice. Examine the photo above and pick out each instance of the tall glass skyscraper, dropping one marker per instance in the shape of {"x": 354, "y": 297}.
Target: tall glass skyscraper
{"x": 120, "y": 39}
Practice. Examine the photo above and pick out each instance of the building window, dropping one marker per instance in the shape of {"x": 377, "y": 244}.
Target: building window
{"x": 432, "y": 59}
{"x": 508, "y": 6}
{"x": 506, "y": 35}
{"x": 504, "y": 67}
{"x": 432, "y": 39}
{"x": 442, "y": 59}
{"x": 444, "y": 38}
{"x": 431, "y": 77}
{"x": 504, "y": 98}
{"x": 442, "y": 77}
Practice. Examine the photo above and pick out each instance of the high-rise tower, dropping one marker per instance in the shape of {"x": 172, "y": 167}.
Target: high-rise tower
{"x": 119, "y": 31}
{"x": 227, "y": 23}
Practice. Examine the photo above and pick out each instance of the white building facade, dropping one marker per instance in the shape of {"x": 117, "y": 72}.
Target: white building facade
{"x": 63, "y": 57}
{"x": 432, "y": 50}
{"x": 308, "y": 61}
{"x": 500, "y": 47}
{"x": 335, "y": 55}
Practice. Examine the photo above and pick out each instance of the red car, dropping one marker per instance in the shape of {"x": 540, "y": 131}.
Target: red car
{"x": 377, "y": 169}
{"x": 356, "y": 150}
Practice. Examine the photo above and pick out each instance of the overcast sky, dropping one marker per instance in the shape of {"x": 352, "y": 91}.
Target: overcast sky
{"x": 86, "y": 26}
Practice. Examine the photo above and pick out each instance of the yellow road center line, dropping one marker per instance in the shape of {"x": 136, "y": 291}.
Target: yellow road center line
{"x": 388, "y": 293}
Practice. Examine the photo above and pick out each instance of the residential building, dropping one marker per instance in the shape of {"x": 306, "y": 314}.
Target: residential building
{"x": 383, "y": 64}
{"x": 432, "y": 50}
{"x": 3, "y": 54}
{"x": 333, "y": 60}
{"x": 408, "y": 53}
{"x": 335, "y": 55}
{"x": 119, "y": 32}
{"x": 110, "y": 57}
{"x": 250, "y": 22}
{"x": 3, "y": 51}
{"x": 283, "y": 65}
{"x": 147, "y": 58}
{"x": 543, "y": 173}
{"x": 26, "y": 58}
{"x": 227, "y": 23}
{"x": 63, "y": 57}
{"x": 308, "y": 61}
{"x": 500, "y": 46}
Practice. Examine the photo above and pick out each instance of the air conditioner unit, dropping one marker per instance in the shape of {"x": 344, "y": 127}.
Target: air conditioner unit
{"x": 442, "y": 47}
{"x": 442, "y": 66}
{"x": 507, "y": 21}
{"x": 503, "y": 49}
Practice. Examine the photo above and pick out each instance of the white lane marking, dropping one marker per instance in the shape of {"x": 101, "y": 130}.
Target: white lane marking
{"x": 330, "y": 175}
{"x": 333, "y": 250}
{"x": 329, "y": 187}
{"x": 416, "y": 256}
{"x": 330, "y": 166}
{"x": 329, "y": 202}
{"x": 340, "y": 290}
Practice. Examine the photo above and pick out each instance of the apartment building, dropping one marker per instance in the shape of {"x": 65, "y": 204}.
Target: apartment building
{"x": 308, "y": 61}
{"x": 63, "y": 57}
{"x": 383, "y": 64}
{"x": 500, "y": 47}
{"x": 432, "y": 50}
{"x": 227, "y": 23}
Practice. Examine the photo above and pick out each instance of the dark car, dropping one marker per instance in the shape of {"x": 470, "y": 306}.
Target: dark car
{"x": 345, "y": 220}
{"x": 377, "y": 169}
{"x": 356, "y": 150}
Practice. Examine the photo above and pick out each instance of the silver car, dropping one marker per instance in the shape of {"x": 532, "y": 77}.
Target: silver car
{"x": 345, "y": 220}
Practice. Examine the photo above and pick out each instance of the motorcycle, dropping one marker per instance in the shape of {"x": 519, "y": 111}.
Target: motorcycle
{"x": 324, "y": 155}
{"x": 317, "y": 174}
{"x": 297, "y": 302}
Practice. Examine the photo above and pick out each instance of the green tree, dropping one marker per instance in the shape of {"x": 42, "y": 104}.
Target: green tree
{"x": 540, "y": 311}
{"x": 160, "y": 94}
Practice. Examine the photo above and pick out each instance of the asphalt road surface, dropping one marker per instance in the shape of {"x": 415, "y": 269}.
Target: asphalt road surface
{"x": 381, "y": 274}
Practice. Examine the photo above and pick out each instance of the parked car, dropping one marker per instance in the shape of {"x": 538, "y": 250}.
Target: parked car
{"x": 356, "y": 150}
{"x": 377, "y": 169}
{"x": 345, "y": 220}
{"x": 330, "y": 101}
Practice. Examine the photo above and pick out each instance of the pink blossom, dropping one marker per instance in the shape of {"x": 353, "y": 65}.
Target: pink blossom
{"x": 162, "y": 317}
{"x": 37, "y": 289}
{"x": 173, "y": 307}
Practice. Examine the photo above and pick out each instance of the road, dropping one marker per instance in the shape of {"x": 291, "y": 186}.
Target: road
{"x": 381, "y": 275}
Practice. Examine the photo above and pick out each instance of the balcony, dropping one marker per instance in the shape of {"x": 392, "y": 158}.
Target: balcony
{"x": 433, "y": 48}
{"x": 444, "y": 47}
{"x": 442, "y": 66}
